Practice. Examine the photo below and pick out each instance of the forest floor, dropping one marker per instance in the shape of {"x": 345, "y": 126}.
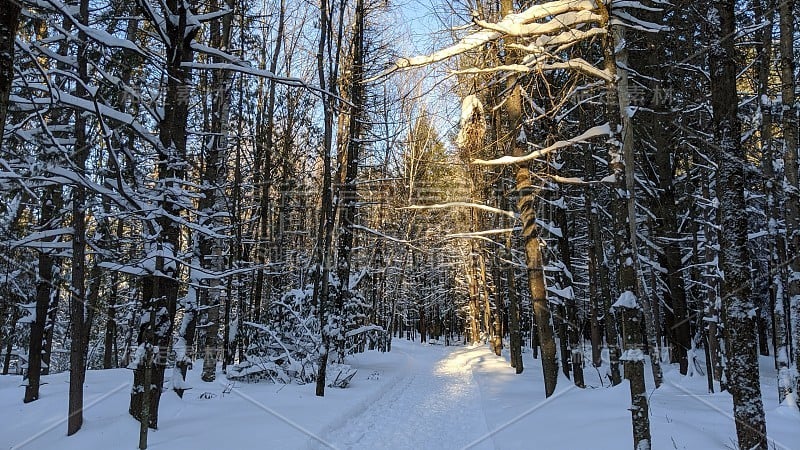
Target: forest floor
{"x": 415, "y": 397}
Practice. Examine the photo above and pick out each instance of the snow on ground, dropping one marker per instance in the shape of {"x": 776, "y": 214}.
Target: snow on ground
{"x": 418, "y": 396}
{"x": 429, "y": 402}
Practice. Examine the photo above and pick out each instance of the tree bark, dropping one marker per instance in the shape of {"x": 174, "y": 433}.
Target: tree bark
{"x": 160, "y": 290}
{"x": 51, "y": 204}
{"x": 633, "y": 358}
{"x": 9, "y": 21}
{"x": 78, "y": 298}
{"x": 213, "y": 205}
{"x": 790, "y": 131}
{"x": 326, "y": 218}
{"x": 738, "y": 302}
{"x": 658, "y": 119}
{"x": 348, "y": 192}
{"x": 530, "y": 234}
{"x": 621, "y": 164}
{"x": 515, "y": 334}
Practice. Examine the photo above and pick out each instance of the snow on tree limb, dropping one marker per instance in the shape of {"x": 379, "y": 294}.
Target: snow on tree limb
{"x": 466, "y": 44}
{"x": 526, "y": 29}
{"x": 481, "y": 233}
{"x": 580, "y": 65}
{"x": 567, "y": 38}
{"x": 96, "y": 34}
{"x": 625, "y": 19}
{"x": 511, "y": 214}
{"x": 569, "y": 12}
{"x": 600, "y": 130}
{"x": 577, "y": 64}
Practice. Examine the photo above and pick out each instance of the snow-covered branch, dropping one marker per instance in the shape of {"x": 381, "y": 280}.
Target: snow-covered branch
{"x": 600, "y": 130}
{"x": 511, "y": 214}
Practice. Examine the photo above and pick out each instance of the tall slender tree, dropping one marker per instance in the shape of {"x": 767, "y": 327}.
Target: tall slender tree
{"x": 533, "y": 252}
{"x": 737, "y": 298}
{"x": 789, "y": 124}
{"x": 9, "y": 21}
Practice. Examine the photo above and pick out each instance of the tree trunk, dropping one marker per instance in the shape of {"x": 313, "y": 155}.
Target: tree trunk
{"x": 10, "y": 344}
{"x": 515, "y": 334}
{"x": 666, "y": 212}
{"x": 348, "y": 192}
{"x": 214, "y": 202}
{"x": 574, "y": 357}
{"x": 598, "y": 276}
{"x": 789, "y": 126}
{"x": 633, "y": 358}
{"x": 497, "y": 325}
{"x": 78, "y": 298}
{"x": 160, "y": 291}
{"x": 9, "y": 21}
{"x": 51, "y": 204}
{"x": 765, "y": 12}
{"x": 184, "y": 347}
{"x": 621, "y": 164}
{"x": 530, "y": 235}
{"x": 47, "y": 294}
{"x": 110, "y": 336}
{"x": 326, "y": 218}
{"x": 737, "y": 300}
{"x": 263, "y": 176}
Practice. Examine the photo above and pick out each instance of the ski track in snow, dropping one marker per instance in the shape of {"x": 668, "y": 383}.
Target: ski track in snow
{"x": 434, "y": 402}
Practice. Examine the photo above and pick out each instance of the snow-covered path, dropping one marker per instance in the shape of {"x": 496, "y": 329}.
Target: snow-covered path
{"x": 434, "y": 400}
{"x": 417, "y": 396}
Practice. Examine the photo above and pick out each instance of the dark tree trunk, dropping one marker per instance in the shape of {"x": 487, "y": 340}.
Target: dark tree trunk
{"x": 78, "y": 298}
{"x": 213, "y": 205}
{"x": 110, "y": 336}
{"x": 51, "y": 203}
{"x": 737, "y": 299}
{"x": 9, "y": 21}
{"x": 347, "y": 194}
{"x": 160, "y": 290}
{"x": 326, "y": 218}
{"x": 599, "y": 283}
{"x": 790, "y": 132}
{"x": 633, "y": 358}
{"x": 515, "y": 335}
{"x": 12, "y": 326}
